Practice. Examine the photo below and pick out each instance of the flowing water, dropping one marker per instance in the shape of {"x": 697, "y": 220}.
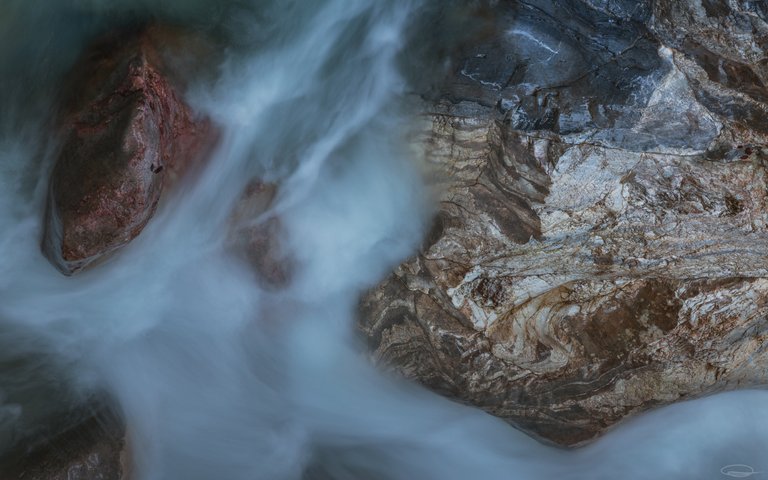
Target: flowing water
{"x": 218, "y": 378}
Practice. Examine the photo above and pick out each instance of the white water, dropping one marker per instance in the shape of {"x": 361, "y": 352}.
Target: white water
{"x": 219, "y": 379}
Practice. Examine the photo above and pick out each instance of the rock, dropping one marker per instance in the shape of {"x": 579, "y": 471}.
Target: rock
{"x": 127, "y": 135}
{"x": 95, "y": 449}
{"x": 722, "y": 50}
{"x": 259, "y": 238}
{"x": 600, "y": 243}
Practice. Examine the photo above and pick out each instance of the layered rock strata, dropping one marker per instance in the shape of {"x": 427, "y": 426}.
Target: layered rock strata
{"x": 600, "y": 243}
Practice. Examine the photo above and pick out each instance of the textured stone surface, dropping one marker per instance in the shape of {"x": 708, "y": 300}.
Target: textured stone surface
{"x": 127, "y": 134}
{"x": 600, "y": 243}
{"x": 92, "y": 450}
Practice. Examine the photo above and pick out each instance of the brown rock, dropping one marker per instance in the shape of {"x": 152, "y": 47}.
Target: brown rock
{"x": 127, "y": 134}
{"x": 259, "y": 239}
{"x": 587, "y": 265}
{"x": 642, "y": 281}
{"x": 92, "y": 450}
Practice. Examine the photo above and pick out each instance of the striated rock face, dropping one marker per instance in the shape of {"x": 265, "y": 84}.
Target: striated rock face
{"x": 600, "y": 247}
{"x": 127, "y": 134}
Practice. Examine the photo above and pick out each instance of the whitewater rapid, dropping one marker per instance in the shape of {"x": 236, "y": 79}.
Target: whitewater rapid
{"x": 218, "y": 378}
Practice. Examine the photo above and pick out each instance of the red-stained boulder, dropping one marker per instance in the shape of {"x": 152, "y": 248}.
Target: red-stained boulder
{"x": 127, "y": 134}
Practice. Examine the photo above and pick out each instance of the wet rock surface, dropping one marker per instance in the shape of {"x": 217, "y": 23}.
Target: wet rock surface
{"x": 257, "y": 236}
{"x": 600, "y": 243}
{"x": 94, "y": 449}
{"x": 126, "y": 135}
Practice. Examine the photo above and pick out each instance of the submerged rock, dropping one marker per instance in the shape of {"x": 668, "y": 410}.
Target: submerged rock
{"x": 94, "y": 449}
{"x": 127, "y": 134}
{"x": 258, "y": 236}
{"x": 600, "y": 244}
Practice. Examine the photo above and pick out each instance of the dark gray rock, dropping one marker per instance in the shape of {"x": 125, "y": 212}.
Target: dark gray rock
{"x": 91, "y": 449}
{"x": 127, "y": 135}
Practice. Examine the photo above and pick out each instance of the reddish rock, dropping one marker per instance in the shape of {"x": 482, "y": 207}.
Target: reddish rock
{"x": 127, "y": 134}
{"x": 259, "y": 240}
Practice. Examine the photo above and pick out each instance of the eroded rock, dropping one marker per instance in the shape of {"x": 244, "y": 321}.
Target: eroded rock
{"x": 127, "y": 134}
{"x": 600, "y": 244}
